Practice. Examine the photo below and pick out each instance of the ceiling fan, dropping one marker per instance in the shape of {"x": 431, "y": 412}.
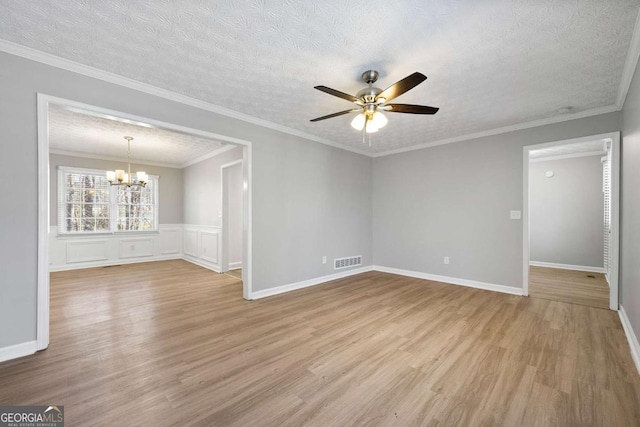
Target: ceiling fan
{"x": 371, "y": 101}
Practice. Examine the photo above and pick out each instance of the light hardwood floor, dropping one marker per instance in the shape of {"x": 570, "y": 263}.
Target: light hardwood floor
{"x": 237, "y": 273}
{"x": 170, "y": 343}
{"x": 576, "y": 287}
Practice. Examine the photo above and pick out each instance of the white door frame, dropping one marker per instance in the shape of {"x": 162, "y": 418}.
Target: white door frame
{"x": 43, "y": 103}
{"x": 614, "y": 138}
{"x": 224, "y": 191}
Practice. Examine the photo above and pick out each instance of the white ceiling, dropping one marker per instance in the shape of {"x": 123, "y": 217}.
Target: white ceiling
{"x": 490, "y": 64}
{"x": 568, "y": 150}
{"x": 75, "y": 133}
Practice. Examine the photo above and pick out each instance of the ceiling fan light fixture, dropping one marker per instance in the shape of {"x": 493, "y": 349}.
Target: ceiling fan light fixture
{"x": 379, "y": 120}
{"x": 358, "y": 121}
{"x": 371, "y": 127}
{"x": 372, "y": 102}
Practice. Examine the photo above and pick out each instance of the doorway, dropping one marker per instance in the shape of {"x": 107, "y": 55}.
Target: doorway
{"x": 44, "y": 104}
{"x": 570, "y": 223}
{"x": 232, "y": 189}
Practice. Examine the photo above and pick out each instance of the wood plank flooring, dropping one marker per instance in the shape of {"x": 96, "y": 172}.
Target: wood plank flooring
{"x": 237, "y": 273}
{"x": 576, "y": 287}
{"x": 170, "y": 343}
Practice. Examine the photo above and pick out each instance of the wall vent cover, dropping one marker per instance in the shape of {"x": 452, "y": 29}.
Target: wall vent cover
{"x": 351, "y": 261}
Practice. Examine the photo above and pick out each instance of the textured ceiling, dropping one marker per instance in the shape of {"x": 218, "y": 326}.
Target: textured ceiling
{"x": 490, "y": 63}
{"x": 568, "y": 149}
{"x": 74, "y": 132}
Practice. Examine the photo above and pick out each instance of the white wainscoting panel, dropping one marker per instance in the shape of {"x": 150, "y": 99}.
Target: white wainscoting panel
{"x": 70, "y": 252}
{"x": 82, "y": 250}
{"x": 199, "y": 244}
{"x": 202, "y": 245}
{"x": 134, "y": 247}
{"x": 171, "y": 240}
{"x": 190, "y": 242}
{"x": 209, "y": 245}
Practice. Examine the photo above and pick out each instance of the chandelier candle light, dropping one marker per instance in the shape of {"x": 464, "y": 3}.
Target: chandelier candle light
{"x": 120, "y": 177}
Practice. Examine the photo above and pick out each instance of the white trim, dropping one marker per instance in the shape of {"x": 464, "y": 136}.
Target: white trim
{"x": 113, "y": 159}
{"x": 235, "y": 265}
{"x": 85, "y": 70}
{"x": 615, "y": 167}
{"x": 307, "y": 283}
{"x": 614, "y": 137}
{"x": 450, "y": 280}
{"x": 631, "y": 337}
{"x": 568, "y": 156}
{"x": 42, "y": 295}
{"x": 75, "y": 67}
{"x": 18, "y": 350}
{"x": 630, "y": 65}
{"x": 567, "y": 266}
{"x": 115, "y": 262}
{"x": 208, "y": 156}
{"x": 201, "y": 263}
{"x": 201, "y": 227}
{"x": 505, "y": 129}
{"x": 247, "y": 223}
{"x": 224, "y": 255}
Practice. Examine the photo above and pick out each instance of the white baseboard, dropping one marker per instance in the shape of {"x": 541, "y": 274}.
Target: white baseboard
{"x": 567, "y": 266}
{"x": 235, "y": 265}
{"x": 631, "y": 337}
{"x": 201, "y": 263}
{"x": 307, "y": 283}
{"x": 451, "y": 280}
{"x": 108, "y": 263}
{"x": 18, "y": 350}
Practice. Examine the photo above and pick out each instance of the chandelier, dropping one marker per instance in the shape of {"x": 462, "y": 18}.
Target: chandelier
{"x": 120, "y": 177}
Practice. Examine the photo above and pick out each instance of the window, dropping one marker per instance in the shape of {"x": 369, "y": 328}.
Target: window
{"x": 87, "y": 203}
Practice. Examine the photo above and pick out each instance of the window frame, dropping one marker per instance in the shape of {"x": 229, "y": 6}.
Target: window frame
{"x": 113, "y": 204}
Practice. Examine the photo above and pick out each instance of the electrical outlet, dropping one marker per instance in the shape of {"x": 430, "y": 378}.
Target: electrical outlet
{"x": 324, "y": 259}
{"x": 515, "y": 215}
{"x": 446, "y": 260}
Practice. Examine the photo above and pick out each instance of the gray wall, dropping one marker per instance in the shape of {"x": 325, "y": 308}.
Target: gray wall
{"x": 454, "y": 200}
{"x": 630, "y": 207}
{"x": 169, "y": 190}
{"x": 309, "y": 199}
{"x": 567, "y": 212}
{"x": 203, "y": 189}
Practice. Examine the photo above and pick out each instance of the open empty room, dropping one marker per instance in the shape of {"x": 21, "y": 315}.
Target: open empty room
{"x": 320, "y": 213}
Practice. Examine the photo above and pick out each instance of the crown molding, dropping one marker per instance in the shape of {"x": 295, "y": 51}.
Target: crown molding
{"x": 138, "y": 162}
{"x": 66, "y": 64}
{"x": 85, "y": 70}
{"x": 630, "y": 65}
{"x": 505, "y": 129}
{"x": 204, "y": 157}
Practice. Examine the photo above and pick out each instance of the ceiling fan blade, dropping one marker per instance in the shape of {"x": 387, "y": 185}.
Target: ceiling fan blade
{"x": 337, "y": 93}
{"x": 340, "y": 113}
{"x": 410, "y": 108}
{"x": 402, "y": 86}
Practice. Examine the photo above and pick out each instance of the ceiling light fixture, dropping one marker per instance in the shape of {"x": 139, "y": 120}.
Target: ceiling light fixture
{"x": 120, "y": 177}
{"x": 376, "y": 121}
{"x": 371, "y": 101}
